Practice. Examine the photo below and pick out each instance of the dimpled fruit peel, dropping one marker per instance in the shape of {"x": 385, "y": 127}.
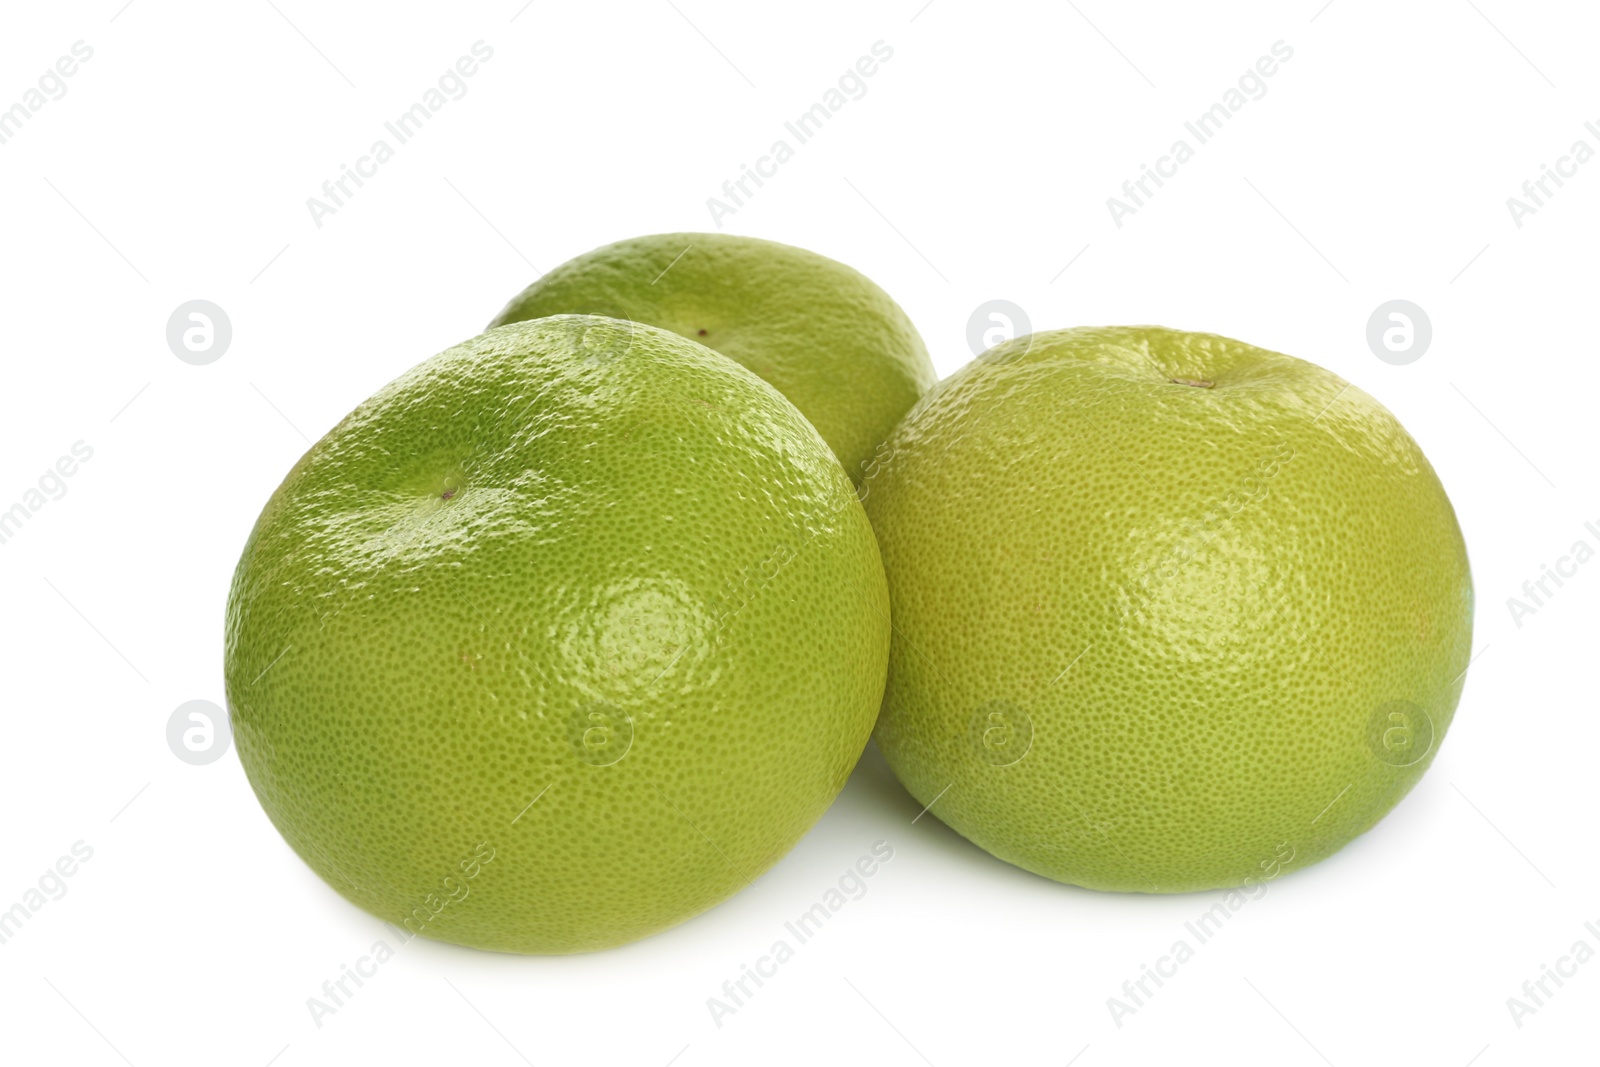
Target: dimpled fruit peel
{"x": 561, "y": 638}
{"x": 823, "y": 334}
{"x": 1171, "y": 612}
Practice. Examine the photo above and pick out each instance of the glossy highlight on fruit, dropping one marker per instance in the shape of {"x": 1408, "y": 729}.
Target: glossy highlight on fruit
{"x": 1171, "y": 612}
{"x": 822, "y": 333}
{"x": 561, "y": 638}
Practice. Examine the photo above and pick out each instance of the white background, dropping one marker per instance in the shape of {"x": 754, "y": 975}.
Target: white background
{"x": 977, "y": 166}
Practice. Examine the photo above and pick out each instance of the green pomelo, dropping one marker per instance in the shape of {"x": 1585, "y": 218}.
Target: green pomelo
{"x": 1171, "y": 612}
{"x": 561, "y": 638}
{"x": 824, "y": 335}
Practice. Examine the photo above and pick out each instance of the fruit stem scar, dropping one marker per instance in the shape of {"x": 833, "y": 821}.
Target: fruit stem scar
{"x": 1198, "y": 383}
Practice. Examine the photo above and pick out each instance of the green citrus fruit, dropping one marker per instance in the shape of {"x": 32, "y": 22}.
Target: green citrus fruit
{"x": 1171, "y": 612}
{"x": 829, "y": 339}
{"x": 559, "y": 639}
